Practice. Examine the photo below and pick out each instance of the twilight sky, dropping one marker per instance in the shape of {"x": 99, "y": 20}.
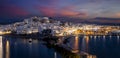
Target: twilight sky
{"x": 74, "y": 8}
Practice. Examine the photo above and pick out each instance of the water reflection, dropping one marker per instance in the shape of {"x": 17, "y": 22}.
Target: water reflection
{"x": 95, "y": 37}
{"x": 84, "y": 44}
{"x": 7, "y": 49}
{"x": 94, "y": 46}
{"x": 118, "y": 40}
{"x": 55, "y": 55}
{"x": 110, "y": 36}
{"x": 75, "y": 43}
{"x": 104, "y": 36}
{"x": 118, "y": 36}
{"x": 91, "y": 36}
{"x": 1, "y": 47}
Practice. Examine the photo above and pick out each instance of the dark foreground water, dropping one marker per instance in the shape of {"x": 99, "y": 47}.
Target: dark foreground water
{"x": 99, "y": 46}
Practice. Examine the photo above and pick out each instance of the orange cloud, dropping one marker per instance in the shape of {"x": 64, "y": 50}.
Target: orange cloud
{"x": 47, "y": 11}
{"x": 68, "y": 13}
{"x": 117, "y": 15}
{"x": 65, "y": 11}
{"x": 73, "y": 13}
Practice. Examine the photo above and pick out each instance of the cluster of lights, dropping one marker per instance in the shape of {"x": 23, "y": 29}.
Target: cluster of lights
{"x": 7, "y": 32}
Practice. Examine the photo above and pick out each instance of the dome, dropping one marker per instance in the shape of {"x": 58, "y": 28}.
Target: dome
{"x": 45, "y": 18}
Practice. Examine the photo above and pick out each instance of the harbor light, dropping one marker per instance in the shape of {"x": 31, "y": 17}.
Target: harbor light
{"x": 1, "y": 32}
{"x": 7, "y": 32}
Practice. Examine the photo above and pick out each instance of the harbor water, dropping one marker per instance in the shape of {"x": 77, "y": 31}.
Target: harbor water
{"x": 95, "y": 46}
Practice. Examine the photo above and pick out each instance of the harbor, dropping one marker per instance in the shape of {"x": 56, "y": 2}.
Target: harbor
{"x": 76, "y": 47}
{"x": 67, "y": 39}
{"x": 59, "y": 28}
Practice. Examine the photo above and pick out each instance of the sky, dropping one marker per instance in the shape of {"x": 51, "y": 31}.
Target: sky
{"x": 59, "y": 8}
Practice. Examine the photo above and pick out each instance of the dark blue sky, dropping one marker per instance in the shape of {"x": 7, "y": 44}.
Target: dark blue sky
{"x": 68, "y": 8}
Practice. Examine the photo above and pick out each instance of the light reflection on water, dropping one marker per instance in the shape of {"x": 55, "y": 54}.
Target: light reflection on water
{"x": 1, "y": 48}
{"x": 95, "y": 46}
{"x": 7, "y": 49}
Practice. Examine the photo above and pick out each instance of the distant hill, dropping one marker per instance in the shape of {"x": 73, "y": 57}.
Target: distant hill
{"x": 105, "y": 18}
{"x": 97, "y": 20}
{"x": 4, "y": 21}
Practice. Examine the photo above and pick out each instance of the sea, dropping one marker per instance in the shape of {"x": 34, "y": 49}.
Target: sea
{"x": 94, "y": 46}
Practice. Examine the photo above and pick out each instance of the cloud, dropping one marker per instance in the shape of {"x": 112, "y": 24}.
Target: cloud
{"x": 68, "y": 13}
{"x": 12, "y": 10}
{"x": 117, "y": 15}
{"x": 105, "y": 21}
{"x": 47, "y": 11}
{"x": 72, "y": 13}
{"x": 64, "y": 11}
